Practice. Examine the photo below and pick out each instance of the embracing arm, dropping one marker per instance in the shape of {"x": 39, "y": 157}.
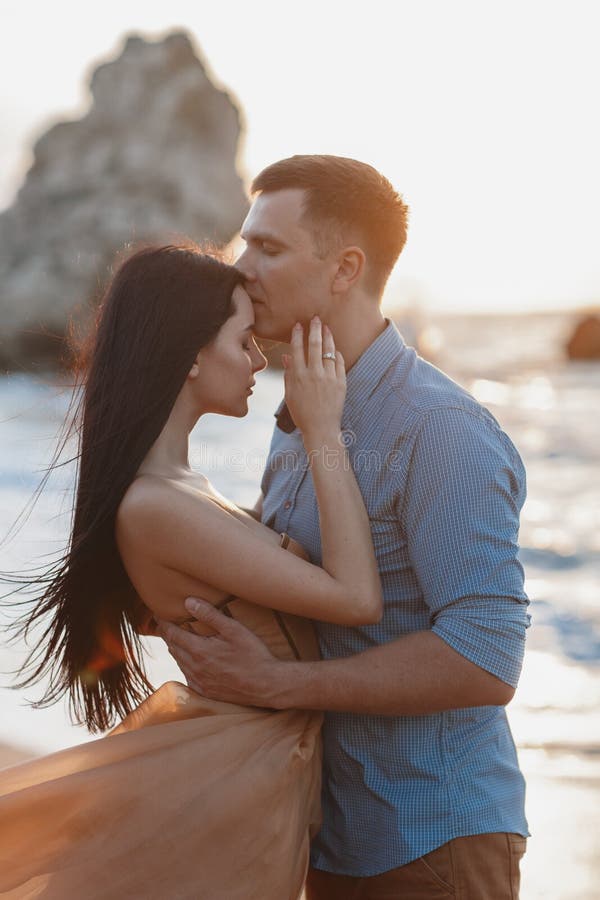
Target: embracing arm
{"x": 194, "y": 536}
{"x": 415, "y": 675}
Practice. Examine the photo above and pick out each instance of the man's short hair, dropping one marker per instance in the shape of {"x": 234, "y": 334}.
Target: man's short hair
{"x": 345, "y": 197}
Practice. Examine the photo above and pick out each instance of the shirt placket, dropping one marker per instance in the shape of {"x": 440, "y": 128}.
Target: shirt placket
{"x": 290, "y": 493}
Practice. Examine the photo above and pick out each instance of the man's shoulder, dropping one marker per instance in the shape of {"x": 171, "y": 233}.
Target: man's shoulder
{"x": 426, "y": 411}
{"x": 415, "y": 390}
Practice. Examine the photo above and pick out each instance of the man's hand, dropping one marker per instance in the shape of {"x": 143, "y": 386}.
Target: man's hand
{"x": 232, "y": 665}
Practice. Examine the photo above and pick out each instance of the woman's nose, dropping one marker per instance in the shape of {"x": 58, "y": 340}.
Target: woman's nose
{"x": 260, "y": 361}
{"x": 243, "y": 263}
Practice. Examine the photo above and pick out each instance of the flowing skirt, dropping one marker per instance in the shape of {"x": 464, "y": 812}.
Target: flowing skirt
{"x": 187, "y": 799}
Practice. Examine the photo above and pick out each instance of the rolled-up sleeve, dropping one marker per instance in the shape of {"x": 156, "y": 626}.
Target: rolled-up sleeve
{"x": 460, "y": 510}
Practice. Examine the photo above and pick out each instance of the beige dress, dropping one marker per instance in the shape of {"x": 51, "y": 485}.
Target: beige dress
{"x": 186, "y": 799}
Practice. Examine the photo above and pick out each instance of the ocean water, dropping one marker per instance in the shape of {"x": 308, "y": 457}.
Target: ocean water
{"x": 550, "y": 408}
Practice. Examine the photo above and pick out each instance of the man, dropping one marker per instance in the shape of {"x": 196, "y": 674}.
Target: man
{"x": 422, "y": 794}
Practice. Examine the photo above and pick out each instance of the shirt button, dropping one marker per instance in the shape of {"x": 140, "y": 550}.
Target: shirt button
{"x": 287, "y": 504}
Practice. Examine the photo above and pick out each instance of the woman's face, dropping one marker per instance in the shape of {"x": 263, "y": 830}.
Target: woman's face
{"x": 223, "y": 375}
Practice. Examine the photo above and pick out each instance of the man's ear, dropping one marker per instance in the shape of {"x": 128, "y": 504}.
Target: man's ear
{"x": 351, "y": 263}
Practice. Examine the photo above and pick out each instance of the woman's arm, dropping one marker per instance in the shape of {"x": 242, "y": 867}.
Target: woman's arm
{"x": 191, "y": 534}
{"x": 315, "y": 391}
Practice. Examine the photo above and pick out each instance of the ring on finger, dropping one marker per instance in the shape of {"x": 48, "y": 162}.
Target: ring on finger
{"x": 329, "y": 356}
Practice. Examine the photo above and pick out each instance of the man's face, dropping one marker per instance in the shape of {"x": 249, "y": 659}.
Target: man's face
{"x": 286, "y": 280}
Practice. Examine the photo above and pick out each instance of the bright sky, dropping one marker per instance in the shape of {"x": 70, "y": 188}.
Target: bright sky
{"x": 481, "y": 113}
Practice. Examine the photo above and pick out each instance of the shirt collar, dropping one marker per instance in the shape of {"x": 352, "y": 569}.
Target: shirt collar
{"x": 362, "y": 379}
{"x": 368, "y": 370}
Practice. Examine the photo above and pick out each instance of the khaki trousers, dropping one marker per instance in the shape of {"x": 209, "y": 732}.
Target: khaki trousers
{"x": 477, "y": 867}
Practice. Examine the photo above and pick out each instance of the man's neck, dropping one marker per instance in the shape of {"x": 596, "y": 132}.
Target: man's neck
{"x": 355, "y": 331}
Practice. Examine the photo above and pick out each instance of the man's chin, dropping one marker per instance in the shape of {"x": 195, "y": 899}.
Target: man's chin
{"x": 264, "y": 327}
{"x": 267, "y": 331}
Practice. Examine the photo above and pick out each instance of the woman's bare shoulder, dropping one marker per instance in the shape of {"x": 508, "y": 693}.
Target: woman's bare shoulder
{"x": 169, "y": 518}
{"x": 145, "y": 491}
{"x": 152, "y": 503}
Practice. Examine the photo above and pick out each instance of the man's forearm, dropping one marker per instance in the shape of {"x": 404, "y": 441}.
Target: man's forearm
{"x": 414, "y": 675}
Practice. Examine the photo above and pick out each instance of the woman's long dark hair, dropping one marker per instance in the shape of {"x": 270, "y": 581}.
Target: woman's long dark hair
{"x": 161, "y": 307}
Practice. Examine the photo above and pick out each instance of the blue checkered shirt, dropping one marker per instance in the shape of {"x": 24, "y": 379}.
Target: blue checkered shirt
{"x": 443, "y": 486}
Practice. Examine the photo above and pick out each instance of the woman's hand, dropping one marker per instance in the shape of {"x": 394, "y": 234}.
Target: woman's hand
{"x": 315, "y": 388}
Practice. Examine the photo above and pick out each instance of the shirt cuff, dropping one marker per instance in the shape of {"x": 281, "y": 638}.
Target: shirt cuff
{"x": 496, "y": 643}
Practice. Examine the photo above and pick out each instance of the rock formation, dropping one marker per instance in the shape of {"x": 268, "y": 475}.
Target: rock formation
{"x": 584, "y": 343}
{"x": 153, "y": 159}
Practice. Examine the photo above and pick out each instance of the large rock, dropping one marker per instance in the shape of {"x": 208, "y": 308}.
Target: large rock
{"x": 154, "y": 158}
{"x": 584, "y": 343}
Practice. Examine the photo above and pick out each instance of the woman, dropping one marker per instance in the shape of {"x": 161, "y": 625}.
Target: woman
{"x": 214, "y": 800}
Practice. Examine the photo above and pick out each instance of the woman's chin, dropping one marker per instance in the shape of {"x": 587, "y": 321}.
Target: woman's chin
{"x": 237, "y": 411}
